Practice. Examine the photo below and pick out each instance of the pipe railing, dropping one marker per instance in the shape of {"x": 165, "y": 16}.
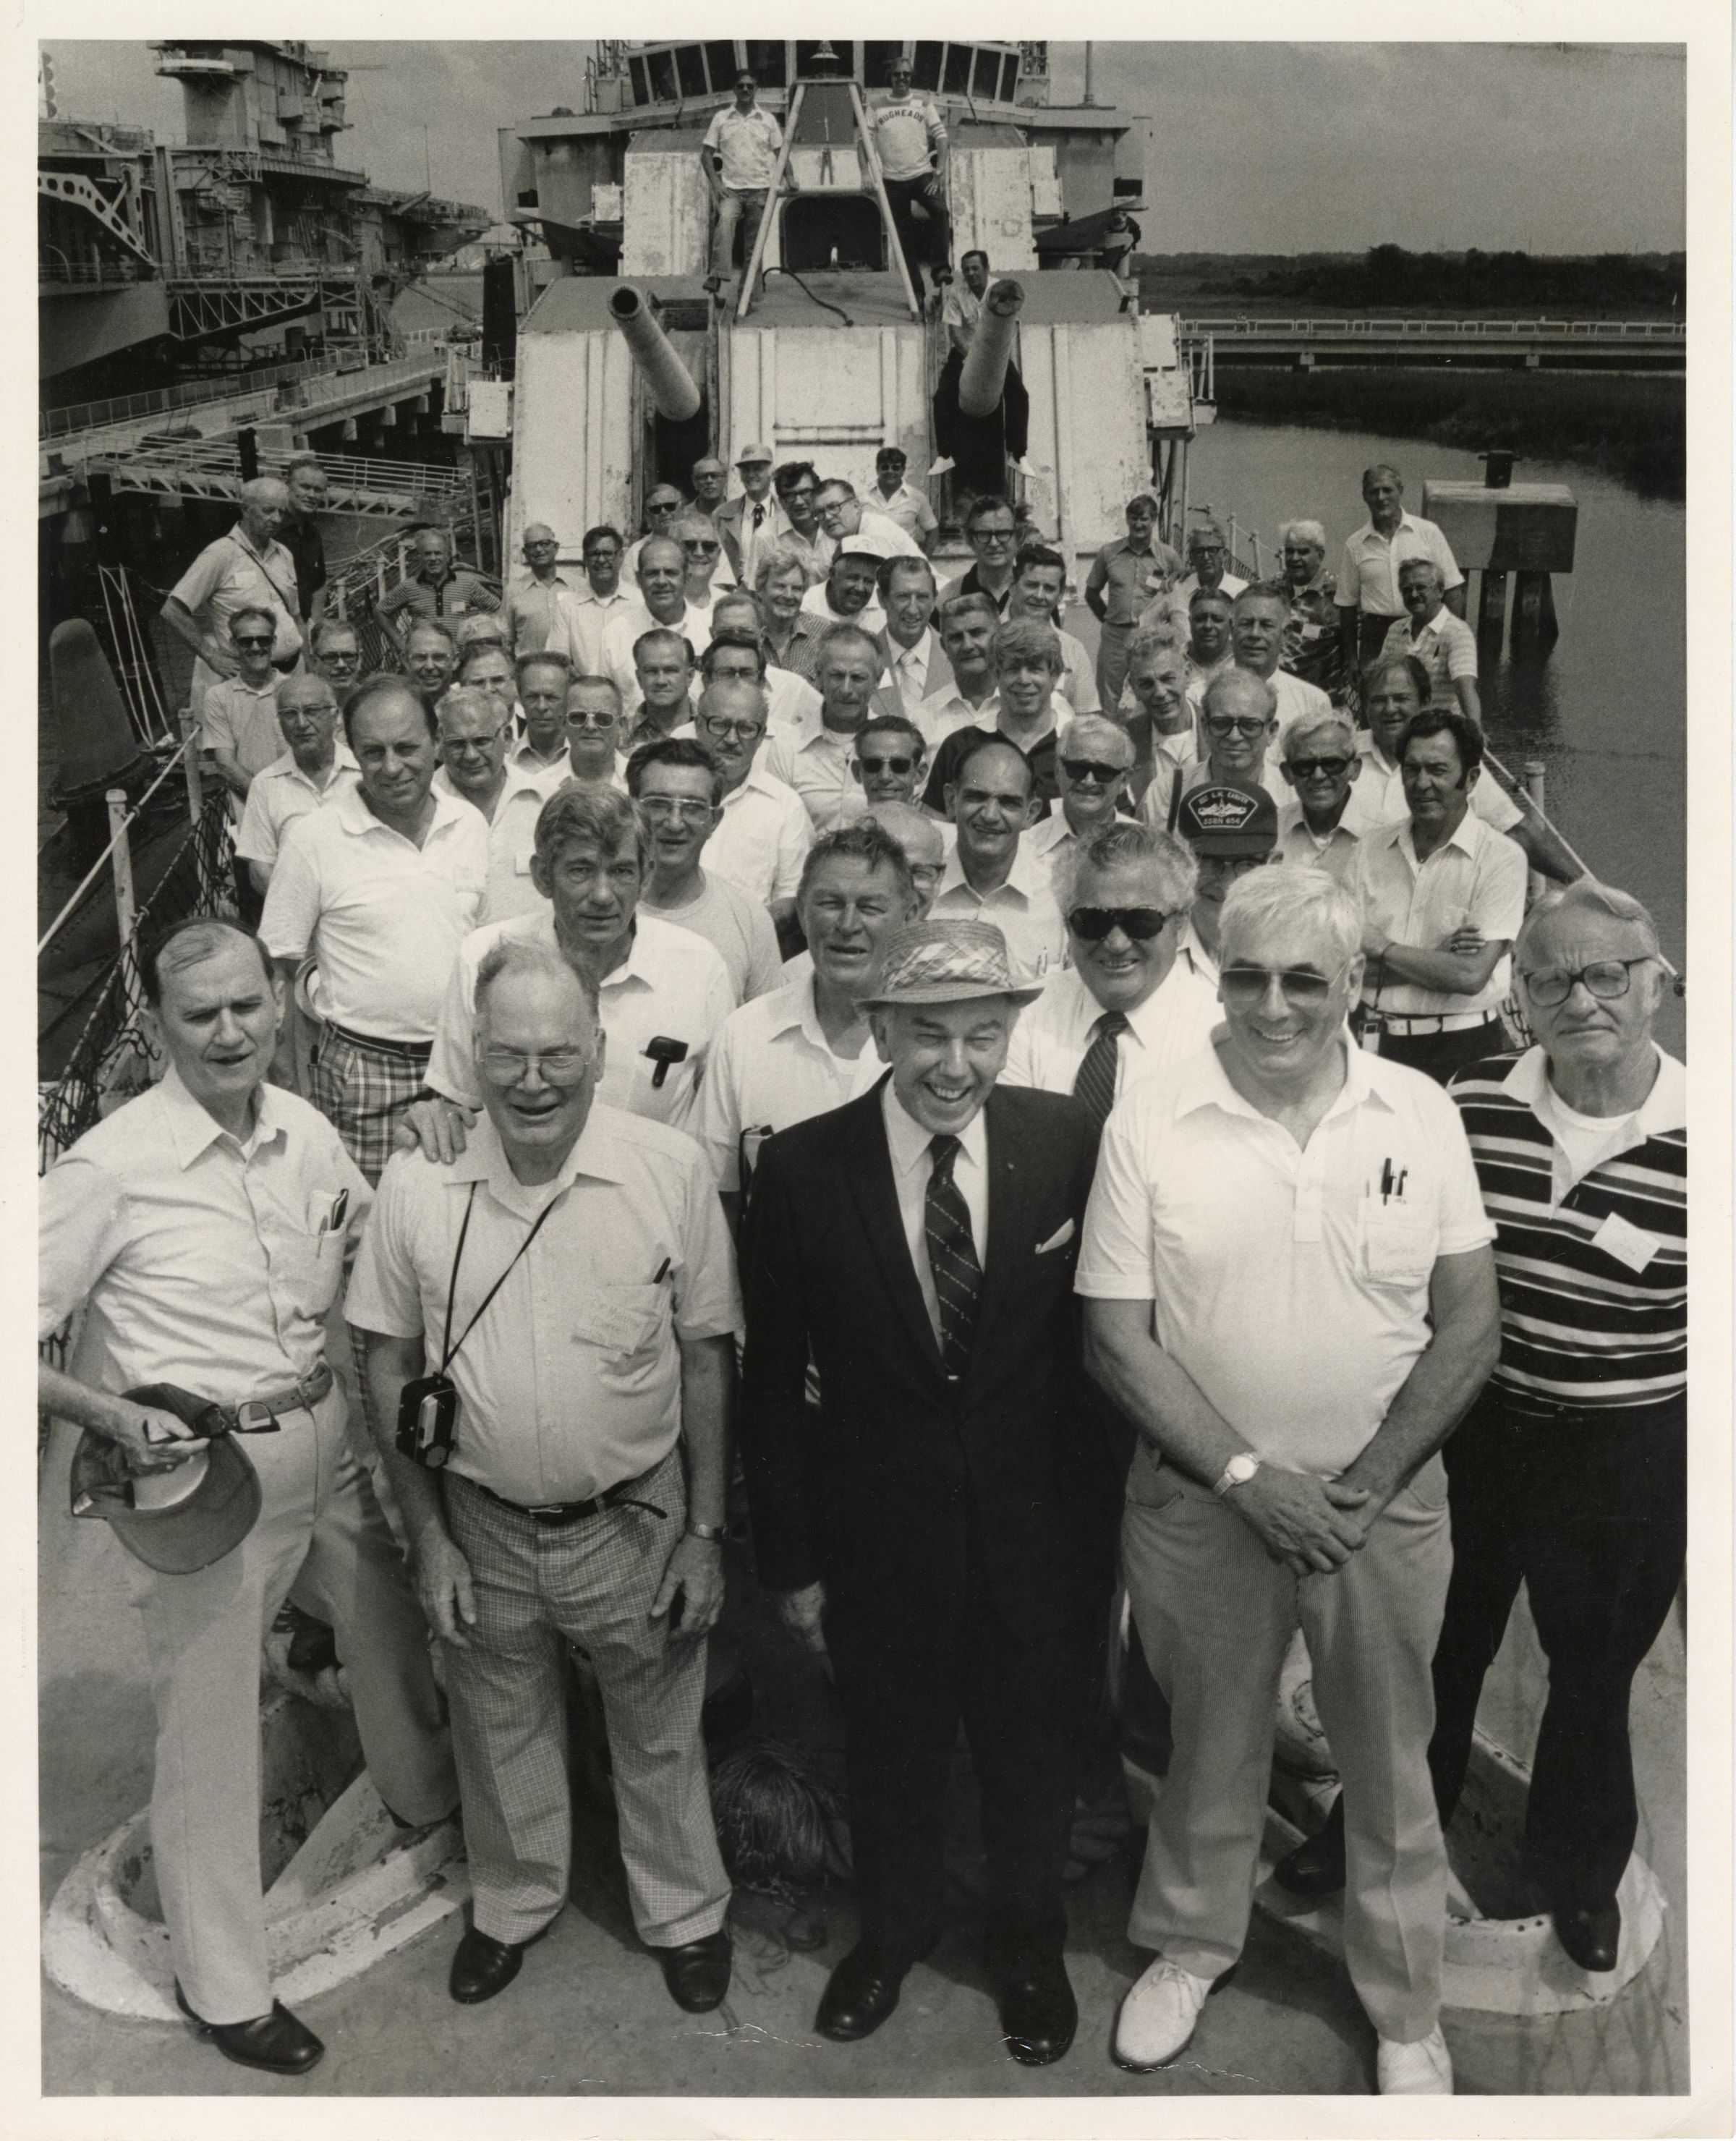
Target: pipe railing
{"x": 1459, "y": 330}
{"x": 122, "y": 818}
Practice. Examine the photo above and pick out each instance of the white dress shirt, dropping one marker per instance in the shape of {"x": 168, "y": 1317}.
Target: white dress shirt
{"x": 281, "y": 794}
{"x": 1339, "y": 855}
{"x": 1369, "y": 579}
{"x": 948, "y": 709}
{"x": 762, "y": 838}
{"x": 1476, "y": 877}
{"x": 383, "y": 917}
{"x": 814, "y": 761}
{"x": 513, "y": 842}
{"x": 1052, "y": 1036}
{"x": 580, "y": 620}
{"x": 1023, "y": 909}
{"x": 773, "y": 1066}
{"x": 912, "y": 1158}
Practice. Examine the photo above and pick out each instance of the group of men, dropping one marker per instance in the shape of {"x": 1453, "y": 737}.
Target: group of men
{"x": 1102, "y": 1201}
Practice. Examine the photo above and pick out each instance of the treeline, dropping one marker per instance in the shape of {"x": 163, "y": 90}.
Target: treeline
{"x": 1388, "y": 277}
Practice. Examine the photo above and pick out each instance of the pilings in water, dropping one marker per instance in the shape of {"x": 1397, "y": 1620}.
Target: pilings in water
{"x": 1498, "y": 529}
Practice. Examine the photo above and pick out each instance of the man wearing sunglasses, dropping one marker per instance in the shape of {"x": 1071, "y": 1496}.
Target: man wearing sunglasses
{"x": 1093, "y": 762}
{"x": 591, "y": 762}
{"x": 1442, "y": 897}
{"x": 1286, "y": 1473}
{"x": 890, "y": 759}
{"x": 709, "y": 572}
{"x": 664, "y": 505}
{"x": 238, "y": 725}
{"x": 1320, "y": 763}
{"x": 798, "y": 488}
{"x": 680, "y": 795}
{"x": 1239, "y": 719}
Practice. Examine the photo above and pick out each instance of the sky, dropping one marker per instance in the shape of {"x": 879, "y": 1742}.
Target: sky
{"x": 1264, "y": 148}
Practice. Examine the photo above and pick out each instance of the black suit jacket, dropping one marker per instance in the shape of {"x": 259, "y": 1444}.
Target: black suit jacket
{"x": 909, "y": 1465}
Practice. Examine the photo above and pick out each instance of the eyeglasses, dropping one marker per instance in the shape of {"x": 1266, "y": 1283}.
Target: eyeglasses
{"x": 250, "y": 640}
{"x": 886, "y": 764}
{"x": 1141, "y": 923}
{"x": 743, "y": 730}
{"x": 600, "y": 720}
{"x": 1304, "y": 769}
{"x": 993, "y": 534}
{"x": 1248, "y": 985}
{"x": 687, "y": 808}
{"x": 506, "y": 1066}
{"x": 1605, "y": 979}
{"x": 1092, "y": 768}
{"x": 1224, "y": 726}
{"x": 340, "y": 657}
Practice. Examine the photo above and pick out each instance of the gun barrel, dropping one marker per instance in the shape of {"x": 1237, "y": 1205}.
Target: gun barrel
{"x": 668, "y": 380}
{"x": 984, "y": 373}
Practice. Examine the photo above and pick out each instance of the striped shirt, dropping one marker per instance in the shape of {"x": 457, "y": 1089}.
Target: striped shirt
{"x": 1593, "y": 1272}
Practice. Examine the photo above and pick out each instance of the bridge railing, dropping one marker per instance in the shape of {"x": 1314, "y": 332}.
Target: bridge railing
{"x": 1375, "y": 329}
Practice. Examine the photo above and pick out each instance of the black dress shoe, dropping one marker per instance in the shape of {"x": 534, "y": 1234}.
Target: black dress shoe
{"x": 276, "y": 2043}
{"x": 697, "y": 1973}
{"x": 1037, "y": 2012}
{"x": 859, "y": 1995}
{"x": 1590, "y": 1934}
{"x": 482, "y": 1965}
{"x": 1316, "y": 1867}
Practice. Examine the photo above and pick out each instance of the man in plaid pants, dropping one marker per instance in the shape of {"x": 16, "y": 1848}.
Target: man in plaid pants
{"x": 571, "y": 1273}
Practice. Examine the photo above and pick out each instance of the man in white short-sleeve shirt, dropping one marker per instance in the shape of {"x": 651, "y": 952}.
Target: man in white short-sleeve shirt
{"x": 738, "y": 157}
{"x": 1367, "y": 594}
{"x": 317, "y": 769}
{"x": 764, "y": 832}
{"x": 1444, "y": 644}
{"x": 1290, "y": 1290}
{"x": 580, "y": 1256}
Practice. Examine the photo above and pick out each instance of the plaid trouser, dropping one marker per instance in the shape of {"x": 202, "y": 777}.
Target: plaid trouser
{"x": 591, "y": 1583}
{"x": 364, "y": 1093}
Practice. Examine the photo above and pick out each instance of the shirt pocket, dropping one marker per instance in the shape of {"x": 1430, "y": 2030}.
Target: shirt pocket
{"x": 1395, "y": 1247}
{"x": 307, "y": 1267}
{"x": 624, "y": 1328}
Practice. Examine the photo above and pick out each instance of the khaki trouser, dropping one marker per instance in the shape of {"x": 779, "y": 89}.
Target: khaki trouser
{"x": 1216, "y": 1615}
{"x": 322, "y": 1539}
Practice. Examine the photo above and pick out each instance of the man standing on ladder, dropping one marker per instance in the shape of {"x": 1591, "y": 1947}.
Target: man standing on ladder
{"x": 910, "y": 137}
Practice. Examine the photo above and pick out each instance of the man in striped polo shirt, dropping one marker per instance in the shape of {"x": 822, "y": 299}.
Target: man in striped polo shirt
{"x": 1571, "y": 1470}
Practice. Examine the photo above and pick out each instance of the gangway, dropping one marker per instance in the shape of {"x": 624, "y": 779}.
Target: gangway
{"x": 211, "y": 468}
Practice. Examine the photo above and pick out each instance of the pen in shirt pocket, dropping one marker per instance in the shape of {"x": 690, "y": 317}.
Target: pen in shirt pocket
{"x": 662, "y": 1272}
{"x": 335, "y": 1217}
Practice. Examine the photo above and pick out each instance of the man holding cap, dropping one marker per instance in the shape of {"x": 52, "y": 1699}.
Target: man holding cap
{"x": 900, "y": 502}
{"x": 206, "y": 1226}
{"x": 750, "y": 526}
{"x": 1228, "y": 831}
{"x": 944, "y": 1534}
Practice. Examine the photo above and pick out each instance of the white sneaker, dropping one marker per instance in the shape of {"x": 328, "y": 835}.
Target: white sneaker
{"x": 1424, "y": 2069}
{"x": 940, "y": 466}
{"x": 1158, "y": 2016}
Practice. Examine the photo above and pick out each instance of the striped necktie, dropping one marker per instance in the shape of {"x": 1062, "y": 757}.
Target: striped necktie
{"x": 951, "y": 1257}
{"x": 1095, "y": 1082}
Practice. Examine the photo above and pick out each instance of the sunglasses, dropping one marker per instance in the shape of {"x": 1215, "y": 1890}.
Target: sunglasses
{"x": 1306, "y": 768}
{"x": 269, "y": 640}
{"x": 1091, "y": 769}
{"x": 1605, "y": 979}
{"x": 1141, "y": 923}
{"x": 591, "y": 721}
{"x": 1229, "y": 725}
{"x": 1248, "y": 985}
{"x": 697, "y": 549}
{"x": 886, "y": 764}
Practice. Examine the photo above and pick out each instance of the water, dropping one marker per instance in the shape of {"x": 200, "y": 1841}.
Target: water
{"x": 1605, "y": 710}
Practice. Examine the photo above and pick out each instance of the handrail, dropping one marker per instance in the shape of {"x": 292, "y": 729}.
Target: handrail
{"x": 119, "y": 834}
{"x": 1451, "y": 329}
{"x": 94, "y": 415}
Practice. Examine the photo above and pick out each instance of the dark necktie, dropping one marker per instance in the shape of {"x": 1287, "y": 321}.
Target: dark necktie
{"x": 758, "y": 516}
{"x": 1095, "y": 1083}
{"x": 951, "y": 1257}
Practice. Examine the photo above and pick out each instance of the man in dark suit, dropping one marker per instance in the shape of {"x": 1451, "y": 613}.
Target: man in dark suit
{"x": 942, "y": 1525}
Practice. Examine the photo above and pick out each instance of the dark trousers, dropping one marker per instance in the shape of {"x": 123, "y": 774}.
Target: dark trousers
{"x": 1591, "y": 1512}
{"x": 970, "y": 442}
{"x": 903, "y": 1694}
{"x": 1439, "y": 1055}
{"x": 936, "y": 237}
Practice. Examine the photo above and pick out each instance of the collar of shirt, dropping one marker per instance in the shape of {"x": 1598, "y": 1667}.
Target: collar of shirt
{"x": 916, "y": 657}
{"x": 1193, "y": 949}
{"x": 484, "y": 1159}
{"x": 237, "y": 535}
{"x": 1466, "y": 836}
{"x": 1664, "y": 1107}
{"x": 793, "y": 1010}
{"x": 585, "y": 594}
{"x": 522, "y": 758}
{"x": 950, "y": 699}
{"x": 1204, "y": 1083}
{"x": 757, "y": 778}
{"x": 343, "y": 761}
{"x": 810, "y": 726}
{"x": 192, "y": 1130}
{"x": 354, "y": 815}
{"x": 909, "y": 1142}
{"x": 1028, "y": 876}
{"x": 1369, "y": 533}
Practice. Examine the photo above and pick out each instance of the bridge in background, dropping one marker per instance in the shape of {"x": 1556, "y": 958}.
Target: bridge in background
{"x": 1488, "y": 344}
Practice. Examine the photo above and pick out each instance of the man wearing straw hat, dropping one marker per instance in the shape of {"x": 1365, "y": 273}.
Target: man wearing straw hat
{"x": 944, "y": 1535}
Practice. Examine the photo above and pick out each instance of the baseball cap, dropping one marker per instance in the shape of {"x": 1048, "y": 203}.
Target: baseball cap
{"x": 1219, "y": 820}
{"x": 753, "y": 454}
{"x": 180, "y": 1521}
{"x": 862, "y": 546}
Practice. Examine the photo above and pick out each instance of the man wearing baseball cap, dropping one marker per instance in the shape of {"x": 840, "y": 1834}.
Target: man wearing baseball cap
{"x": 943, "y": 1531}
{"x": 848, "y": 593}
{"x": 901, "y": 502}
{"x": 1228, "y": 831}
{"x": 751, "y": 526}
{"x": 206, "y": 1225}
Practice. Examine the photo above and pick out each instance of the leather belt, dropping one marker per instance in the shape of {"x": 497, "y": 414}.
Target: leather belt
{"x": 1452, "y": 1022}
{"x": 259, "y": 1415}
{"x": 412, "y": 1051}
{"x": 619, "y": 1496}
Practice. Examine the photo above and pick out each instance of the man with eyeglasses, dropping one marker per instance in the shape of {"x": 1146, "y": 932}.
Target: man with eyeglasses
{"x": 993, "y": 535}
{"x": 1569, "y": 1472}
{"x": 1229, "y": 831}
{"x": 889, "y": 758}
{"x": 842, "y": 512}
{"x": 580, "y": 1504}
{"x": 1287, "y": 1476}
{"x": 1317, "y": 828}
{"x": 848, "y": 593}
{"x": 533, "y": 599}
{"x": 337, "y": 653}
{"x": 737, "y": 654}
{"x": 1125, "y": 1006}
{"x": 437, "y": 588}
{"x": 1125, "y": 576}
{"x": 316, "y": 770}
{"x": 1028, "y": 713}
{"x": 1209, "y": 556}
{"x": 916, "y": 661}
{"x": 1094, "y": 763}
{"x": 1039, "y": 582}
{"x": 430, "y": 657}
{"x": 798, "y": 488}
{"x": 1442, "y": 897}
{"x": 901, "y": 502}
{"x": 991, "y": 799}
{"x": 583, "y": 614}
{"x": 906, "y": 131}
{"x": 680, "y": 794}
{"x": 239, "y": 726}
{"x": 1239, "y": 719}
{"x": 591, "y": 725}
{"x": 764, "y": 832}
{"x": 738, "y": 157}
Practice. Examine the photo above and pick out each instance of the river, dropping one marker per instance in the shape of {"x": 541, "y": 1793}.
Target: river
{"x": 1605, "y": 710}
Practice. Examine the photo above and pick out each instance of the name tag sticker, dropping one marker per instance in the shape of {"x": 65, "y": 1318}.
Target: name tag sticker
{"x": 1628, "y": 1244}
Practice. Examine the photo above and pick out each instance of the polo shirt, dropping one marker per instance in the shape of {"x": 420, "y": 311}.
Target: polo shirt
{"x": 626, "y": 626}
{"x": 570, "y": 1382}
{"x": 738, "y": 927}
{"x": 1377, "y": 798}
{"x": 242, "y": 719}
{"x": 1039, "y": 757}
{"x": 908, "y": 508}
{"x": 1052, "y": 1036}
{"x": 228, "y": 575}
{"x": 1592, "y": 1261}
{"x": 1477, "y": 876}
{"x": 1023, "y": 910}
{"x": 814, "y": 761}
{"x": 870, "y": 618}
{"x": 906, "y": 131}
{"x": 773, "y": 1067}
{"x": 671, "y": 985}
{"x": 580, "y": 620}
{"x": 1339, "y": 855}
{"x": 532, "y": 608}
{"x": 748, "y": 142}
{"x": 762, "y": 840}
{"x": 1128, "y": 579}
{"x": 206, "y": 1261}
{"x": 1369, "y": 579}
{"x": 383, "y": 917}
{"x": 910, "y": 1147}
{"x": 1286, "y": 1280}
{"x": 281, "y": 793}
{"x": 541, "y": 781}
{"x": 461, "y": 594}
{"x": 1446, "y": 647}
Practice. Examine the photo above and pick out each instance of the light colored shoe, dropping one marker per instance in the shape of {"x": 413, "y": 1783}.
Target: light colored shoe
{"x": 1424, "y": 2069}
{"x": 1158, "y": 2016}
{"x": 939, "y": 466}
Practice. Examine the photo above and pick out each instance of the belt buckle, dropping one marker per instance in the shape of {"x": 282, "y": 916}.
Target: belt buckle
{"x": 254, "y": 1416}
{"x": 545, "y": 1511}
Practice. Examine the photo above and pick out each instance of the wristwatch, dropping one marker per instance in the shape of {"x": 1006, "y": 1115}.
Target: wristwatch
{"x": 1237, "y": 1473}
{"x": 712, "y": 1534}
